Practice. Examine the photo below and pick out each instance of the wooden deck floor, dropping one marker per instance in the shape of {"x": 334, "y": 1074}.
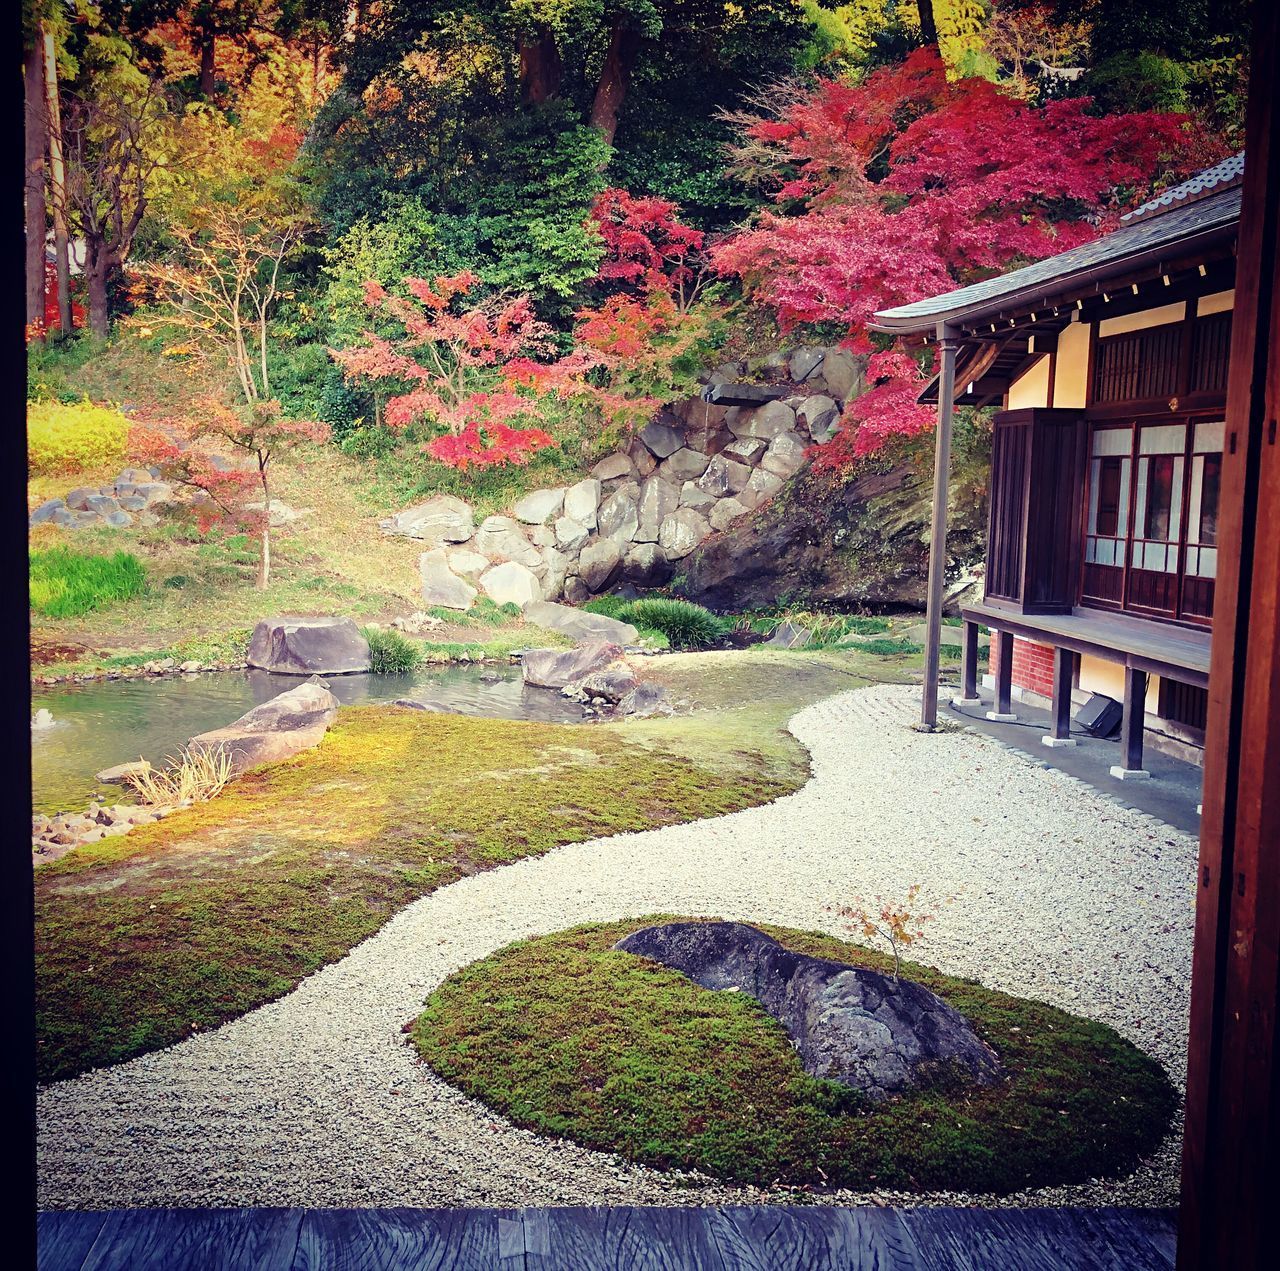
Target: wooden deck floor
{"x": 764, "y": 1238}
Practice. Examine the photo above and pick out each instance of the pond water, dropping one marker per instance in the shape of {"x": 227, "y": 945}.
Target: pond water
{"x": 103, "y": 723}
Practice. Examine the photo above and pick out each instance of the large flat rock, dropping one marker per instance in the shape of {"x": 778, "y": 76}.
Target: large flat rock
{"x": 288, "y": 724}
{"x": 554, "y": 668}
{"x": 579, "y": 623}
{"x": 876, "y": 1034}
{"x": 309, "y": 646}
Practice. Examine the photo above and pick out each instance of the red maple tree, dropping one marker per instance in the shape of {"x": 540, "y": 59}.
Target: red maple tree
{"x": 451, "y": 367}
{"x": 906, "y": 185}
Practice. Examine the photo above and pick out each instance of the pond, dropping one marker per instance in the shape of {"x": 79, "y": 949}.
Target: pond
{"x": 107, "y": 722}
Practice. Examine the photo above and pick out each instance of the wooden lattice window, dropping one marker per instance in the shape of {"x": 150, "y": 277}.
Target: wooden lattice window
{"x": 1138, "y": 365}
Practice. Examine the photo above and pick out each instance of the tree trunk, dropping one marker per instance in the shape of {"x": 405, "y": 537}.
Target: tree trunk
{"x": 541, "y": 70}
{"x": 36, "y": 137}
{"x": 57, "y": 182}
{"x": 208, "y": 65}
{"x": 95, "y": 276}
{"x": 615, "y": 78}
{"x": 928, "y": 27}
{"x": 264, "y": 555}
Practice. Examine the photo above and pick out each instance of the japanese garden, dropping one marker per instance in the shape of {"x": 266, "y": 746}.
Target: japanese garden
{"x": 482, "y": 498}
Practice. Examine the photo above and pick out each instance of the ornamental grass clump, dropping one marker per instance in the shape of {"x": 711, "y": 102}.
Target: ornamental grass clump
{"x": 686, "y": 625}
{"x": 193, "y": 776}
{"x": 66, "y": 583}
{"x": 390, "y": 653}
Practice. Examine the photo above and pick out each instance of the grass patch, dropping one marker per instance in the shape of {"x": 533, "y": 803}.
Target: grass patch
{"x": 67, "y": 584}
{"x": 570, "y": 1038}
{"x": 194, "y": 920}
{"x": 390, "y": 653}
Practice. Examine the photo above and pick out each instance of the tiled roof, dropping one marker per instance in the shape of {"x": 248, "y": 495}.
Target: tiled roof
{"x": 1214, "y": 212}
{"x": 1222, "y": 176}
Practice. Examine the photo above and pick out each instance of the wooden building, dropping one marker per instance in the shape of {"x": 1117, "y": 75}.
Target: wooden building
{"x": 1109, "y": 367}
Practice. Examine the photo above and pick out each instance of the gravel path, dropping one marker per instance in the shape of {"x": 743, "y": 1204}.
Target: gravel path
{"x": 317, "y": 1099}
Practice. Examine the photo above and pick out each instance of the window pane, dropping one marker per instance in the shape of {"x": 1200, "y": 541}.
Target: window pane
{"x": 1157, "y": 518}
{"x": 1207, "y": 528}
{"x": 1106, "y": 495}
{"x": 1112, "y": 441}
{"x": 1208, "y": 439}
{"x": 1163, "y": 439}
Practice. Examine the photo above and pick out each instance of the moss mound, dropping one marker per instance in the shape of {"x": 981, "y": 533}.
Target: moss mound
{"x": 568, "y": 1037}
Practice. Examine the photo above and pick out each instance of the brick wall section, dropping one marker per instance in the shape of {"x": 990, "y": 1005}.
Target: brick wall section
{"x": 1032, "y": 665}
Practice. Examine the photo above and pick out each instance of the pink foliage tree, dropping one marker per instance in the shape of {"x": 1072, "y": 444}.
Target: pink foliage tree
{"x": 906, "y": 185}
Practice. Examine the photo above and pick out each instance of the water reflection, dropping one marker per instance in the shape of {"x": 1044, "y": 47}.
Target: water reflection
{"x": 100, "y": 724}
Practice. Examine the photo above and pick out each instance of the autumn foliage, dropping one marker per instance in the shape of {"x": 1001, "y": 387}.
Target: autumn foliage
{"x": 906, "y": 185}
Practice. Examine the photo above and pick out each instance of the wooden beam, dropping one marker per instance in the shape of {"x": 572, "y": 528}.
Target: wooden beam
{"x": 1064, "y": 664}
{"x": 1135, "y": 709}
{"x": 947, "y": 345}
{"x": 969, "y": 663}
{"x": 1231, "y": 1146}
{"x": 1003, "y": 712}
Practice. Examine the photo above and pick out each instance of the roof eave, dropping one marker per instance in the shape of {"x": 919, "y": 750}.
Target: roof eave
{"x": 1062, "y": 290}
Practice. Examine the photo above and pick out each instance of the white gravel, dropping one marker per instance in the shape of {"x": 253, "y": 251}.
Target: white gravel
{"x": 317, "y": 1099}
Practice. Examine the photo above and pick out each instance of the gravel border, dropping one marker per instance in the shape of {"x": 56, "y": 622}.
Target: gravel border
{"x": 318, "y": 1100}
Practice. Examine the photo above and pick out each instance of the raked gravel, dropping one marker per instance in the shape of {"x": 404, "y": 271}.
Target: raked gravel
{"x": 317, "y": 1099}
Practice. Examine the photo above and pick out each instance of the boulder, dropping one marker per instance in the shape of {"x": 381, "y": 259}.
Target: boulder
{"x": 804, "y": 362}
{"x": 658, "y": 499}
{"x": 746, "y": 449}
{"x": 773, "y": 368}
{"x": 466, "y": 563}
{"x": 818, "y": 415}
{"x": 120, "y": 774}
{"x": 576, "y": 591}
{"x": 440, "y": 585}
{"x": 785, "y": 456}
{"x": 790, "y": 635}
{"x": 102, "y": 504}
{"x": 725, "y": 512}
{"x": 308, "y": 646}
{"x": 552, "y": 571}
{"x": 681, "y": 532}
{"x": 511, "y": 583}
{"x": 499, "y": 538}
{"x": 724, "y": 476}
{"x": 645, "y": 699}
{"x": 582, "y": 501}
{"x": 554, "y": 668}
{"x": 119, "y": 519}
{"x": 642, "y": 458}
{"x": 286, "y": 725}
{"x": 611, "y": 467}
{"x": 570, "y": 534}
{"x": 765, "y": 422}
{"x": 599, "y": 563}
{"x": 443, "y": 518}
{"x": 692, "y": 497}
{"x": 646, "y": 565}
{"x": 610, "y": 684}
{"x": 871, "y": 1032}
{"x": 845, "y": 373}
{"x": 619, "y": 518}
{"x": 78, "y": 499}
{"x": 542, "y": 536}
{"x": 578, "y": 623}
{"x": 46, "y": 510}
{"x": 539, "y": 506}
{"x": 759, "y": 489}
{"x": 684, "y": 465}
{"x": 661, "y": 439}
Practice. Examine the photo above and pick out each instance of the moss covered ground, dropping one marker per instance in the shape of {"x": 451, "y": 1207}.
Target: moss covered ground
{"x": 568, "y": 1037}
{"x": 196, "y": 919}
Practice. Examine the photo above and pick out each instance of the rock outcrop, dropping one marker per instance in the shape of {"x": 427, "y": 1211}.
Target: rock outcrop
{"x": 309, "y": 646}
{"x": 684, "y": 478}
{"x": 876, "y": 1034}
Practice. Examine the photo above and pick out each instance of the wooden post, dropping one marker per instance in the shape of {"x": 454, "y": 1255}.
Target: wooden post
{"x": 948, "y": 344}
{"x": 1131, "y": 725}
{"x": 969, "y": 665}
{"x": 1003, "y": 713}
{"x": 1060, "y": 729}
{"x": 1231, "y": 1147}
{"x": 57, "y": 183}
{"x": 36, "y": 143}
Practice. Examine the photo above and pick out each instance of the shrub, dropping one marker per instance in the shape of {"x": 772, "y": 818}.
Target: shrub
{"x": 72, "y": 437}
{"x": 192, "y": 777}
{"x": 686, "y": 625}
{"x": 609, "y": 606}
{"x": 390, "y": 653}
{"x": 67, "y": 583}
